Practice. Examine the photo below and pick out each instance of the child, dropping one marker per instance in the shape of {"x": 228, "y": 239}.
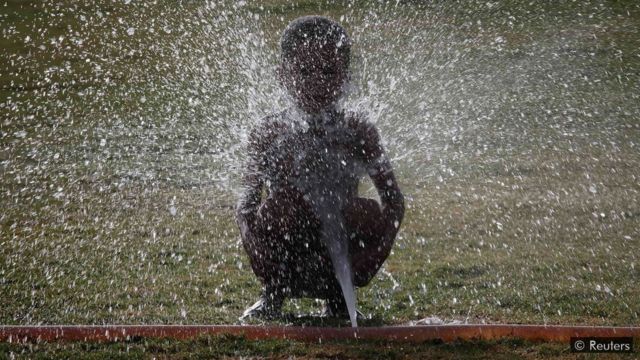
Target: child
{"x": 309, "y": 160}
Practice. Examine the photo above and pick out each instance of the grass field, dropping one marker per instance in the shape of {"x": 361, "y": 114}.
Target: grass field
{"x": 518, "y": 156}
{"x": 222, "y": 347}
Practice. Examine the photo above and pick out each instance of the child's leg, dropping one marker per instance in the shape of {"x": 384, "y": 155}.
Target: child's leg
{"x": 286, "y": 252}
{"x": 368, "y": 247}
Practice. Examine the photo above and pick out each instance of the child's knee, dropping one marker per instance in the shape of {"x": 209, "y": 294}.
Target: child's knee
{"x": 364, "y": 217}
{"x": 366, "y": 263}
{"x": 286, "y": 211}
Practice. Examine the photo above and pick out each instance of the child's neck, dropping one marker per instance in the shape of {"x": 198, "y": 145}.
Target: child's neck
{"x": 326, "y": 116}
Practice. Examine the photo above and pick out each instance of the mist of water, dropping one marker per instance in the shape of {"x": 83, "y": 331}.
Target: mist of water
{"x": 121, "y": 120}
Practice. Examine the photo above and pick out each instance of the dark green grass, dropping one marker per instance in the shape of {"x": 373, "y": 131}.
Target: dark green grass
{"x": 237, "y": 347}
{"x": 216, "y": 347}
{"x": 473, "y": 251}
{"x": 541, "y": 226}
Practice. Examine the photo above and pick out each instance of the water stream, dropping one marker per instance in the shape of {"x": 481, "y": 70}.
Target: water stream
{"x": 337, "y": 244}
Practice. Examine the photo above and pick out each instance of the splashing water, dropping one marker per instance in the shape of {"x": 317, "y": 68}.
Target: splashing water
{"x": 336, "y": 242}
{"x": 510, "y": 127}
{"x": 344, "y": 274}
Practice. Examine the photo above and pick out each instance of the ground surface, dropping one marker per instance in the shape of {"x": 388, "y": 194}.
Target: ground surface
{"x": 223, "y": 347}
{"x": 520, "y": 169}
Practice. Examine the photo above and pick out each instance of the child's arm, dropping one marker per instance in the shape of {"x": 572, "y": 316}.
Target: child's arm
{"x": 380, "y": 171}
{"x": 247, "y": 210}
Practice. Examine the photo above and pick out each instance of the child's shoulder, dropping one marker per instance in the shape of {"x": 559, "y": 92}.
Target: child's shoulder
{"x": 268, "y": 128}
{"x": 271, "y": 123}
{"x": 359, "y": 123}
{"x": 365, "y": 134}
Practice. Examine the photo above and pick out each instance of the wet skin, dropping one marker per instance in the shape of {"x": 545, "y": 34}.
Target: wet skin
{"x": 309, "y": 161}
{"x": 314, "y": 76}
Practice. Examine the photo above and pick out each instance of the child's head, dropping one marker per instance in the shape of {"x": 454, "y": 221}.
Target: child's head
{"x": 315, "y": 54}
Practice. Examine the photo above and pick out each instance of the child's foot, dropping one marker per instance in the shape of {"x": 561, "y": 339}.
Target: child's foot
{"x": 267, "y": 307}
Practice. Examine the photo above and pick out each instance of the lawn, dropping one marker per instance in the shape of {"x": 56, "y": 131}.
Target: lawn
{"x": 223, "y": 347}
{"x": 513, "y": 130}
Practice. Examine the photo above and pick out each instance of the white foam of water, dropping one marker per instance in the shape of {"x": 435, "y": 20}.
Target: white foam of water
{"x": 336, "y": 242}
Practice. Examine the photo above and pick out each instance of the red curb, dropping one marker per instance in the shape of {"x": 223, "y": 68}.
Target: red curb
{"x": 446, "y": 333}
